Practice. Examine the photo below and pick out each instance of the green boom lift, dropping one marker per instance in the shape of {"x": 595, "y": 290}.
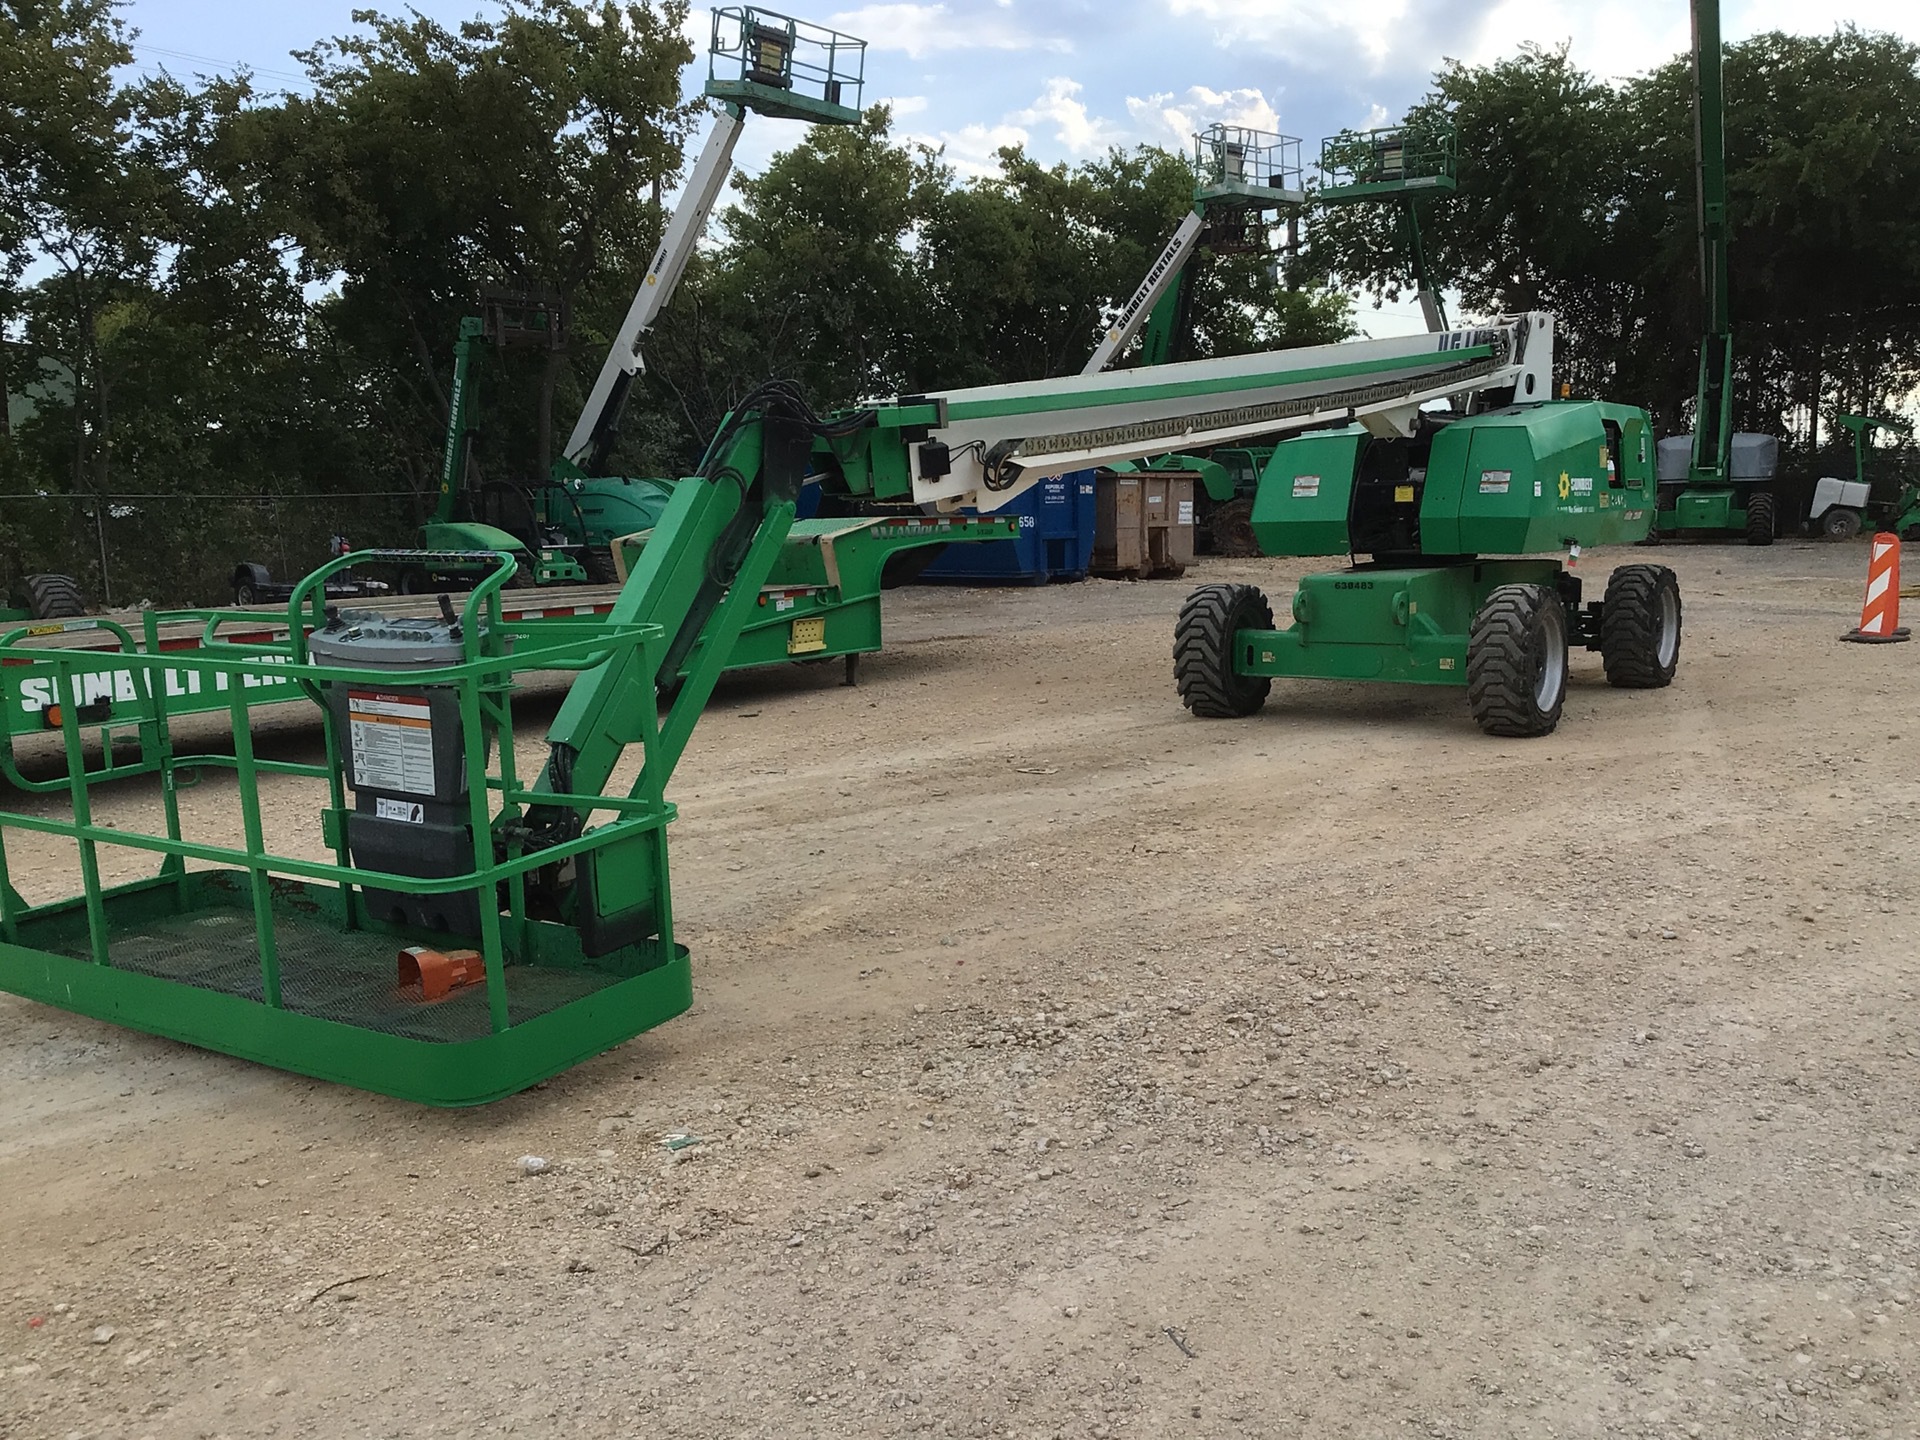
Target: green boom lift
{"x": 1444, "y": 518}
{"x": 1242, "y": 177}
{"x": 1715, "y": 480}
{"x": 476, "y": 929}
{"x": 541, "y": 526}
{"x": 759, "y": 61}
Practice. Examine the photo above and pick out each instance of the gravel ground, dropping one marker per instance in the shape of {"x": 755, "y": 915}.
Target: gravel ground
{"x": 1064, "y": 1066}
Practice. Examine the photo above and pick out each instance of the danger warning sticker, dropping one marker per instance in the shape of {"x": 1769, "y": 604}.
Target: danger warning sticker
{"x": 1495, "y": 482}
{"x": 1306, "y": 487}
{"x": 391, "y": 737}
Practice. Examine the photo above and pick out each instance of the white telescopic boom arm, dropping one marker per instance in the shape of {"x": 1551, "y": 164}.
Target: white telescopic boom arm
{"x": 689, "y": 222}
{"x": 1134, "y": 314}
{"x": 985, "y": 446}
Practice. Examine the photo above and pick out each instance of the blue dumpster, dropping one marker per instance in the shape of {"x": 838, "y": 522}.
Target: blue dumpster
{"x": 1056, "y": 540}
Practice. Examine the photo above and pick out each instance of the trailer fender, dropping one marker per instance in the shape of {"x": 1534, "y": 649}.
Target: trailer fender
{"x": 250, "y": 582}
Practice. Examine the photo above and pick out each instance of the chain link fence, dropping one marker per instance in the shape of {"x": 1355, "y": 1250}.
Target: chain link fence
{"x": 181, "y": 549}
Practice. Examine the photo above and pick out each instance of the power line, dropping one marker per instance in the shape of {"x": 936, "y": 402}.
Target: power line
{"x": 217, "y": 63}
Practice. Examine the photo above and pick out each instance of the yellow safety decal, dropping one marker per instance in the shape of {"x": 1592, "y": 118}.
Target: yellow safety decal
{"x": 807, "y": 636}
{"x": 1403, "y": 494}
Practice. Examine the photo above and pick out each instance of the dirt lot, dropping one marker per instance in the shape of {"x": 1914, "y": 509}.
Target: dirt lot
{"x": 1068, "y": 1067}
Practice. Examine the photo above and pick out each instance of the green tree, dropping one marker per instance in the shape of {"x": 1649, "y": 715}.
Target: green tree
{"x": 1578, "y": 197}
{"x": 430, "y": 162}
{"x": 80, "y": 199}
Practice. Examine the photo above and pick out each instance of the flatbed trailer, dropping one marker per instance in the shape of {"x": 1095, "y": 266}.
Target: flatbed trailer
{"x": 821, "y": 602}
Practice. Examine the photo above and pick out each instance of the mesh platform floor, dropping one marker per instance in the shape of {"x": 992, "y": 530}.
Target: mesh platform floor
{"x": 345, "y": 976}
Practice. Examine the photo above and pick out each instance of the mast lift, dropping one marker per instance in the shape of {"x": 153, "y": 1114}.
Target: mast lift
{"x": 1716, "y": 480}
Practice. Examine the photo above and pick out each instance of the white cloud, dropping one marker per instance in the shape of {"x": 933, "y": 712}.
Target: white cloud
{"x": 972, "y": 148}
{"x": 902, "y": 105}
{"x": 924, "y": 31}
{"x": 1306, "y": 29}
{"x": 1058, "y": 111}
{"x": 1171, "y": 121}
{"x": 1060, "y": 106}
{"x": 1609, "y": 40}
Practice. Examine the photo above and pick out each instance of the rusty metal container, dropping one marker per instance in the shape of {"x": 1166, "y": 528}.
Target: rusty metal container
{"x": 1143, "y": 524}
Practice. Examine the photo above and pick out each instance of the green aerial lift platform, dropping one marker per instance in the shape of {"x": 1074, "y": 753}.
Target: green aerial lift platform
{"x": 1401, "y": 165}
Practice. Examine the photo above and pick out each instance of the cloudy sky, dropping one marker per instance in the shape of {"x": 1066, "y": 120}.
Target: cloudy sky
{"x": 1067, "y": 78}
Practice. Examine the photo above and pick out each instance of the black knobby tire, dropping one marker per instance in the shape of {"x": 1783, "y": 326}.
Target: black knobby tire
{"x": 1640, "y": 627}
{"x": 1230, "y": 529}
{"x": 55, "y": 597}
{"x": 1203, "y": 651}
{"x": 1840, "y": 523}
{"x": 597, "y": 561}
{"x": 1517, "y": 661}
{"x": 1760, "y": 518}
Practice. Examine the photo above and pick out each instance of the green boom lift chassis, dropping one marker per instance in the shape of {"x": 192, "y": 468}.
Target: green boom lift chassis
{"x": 1438, "y": 601}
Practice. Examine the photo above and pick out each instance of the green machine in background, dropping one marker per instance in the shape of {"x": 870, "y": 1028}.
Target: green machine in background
{"x": 1445, "y": 527}
{"x": 1842, "y": 508}
{"x": 1715, "y": 481}
{"x": 759, "y": 61}
{"x": 560, "y": 527}
{"x": 1402, "y": 166}
{"x": 1241, "y": 176}
{"x": 542, "y": 525}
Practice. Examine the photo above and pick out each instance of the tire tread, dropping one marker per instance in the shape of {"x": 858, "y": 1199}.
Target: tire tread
{"x": 1500, "y": 663}
{"x": 1630, "y": 628}
{"x": 1203, "y": 651}
{"x": 54, "y": 597}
